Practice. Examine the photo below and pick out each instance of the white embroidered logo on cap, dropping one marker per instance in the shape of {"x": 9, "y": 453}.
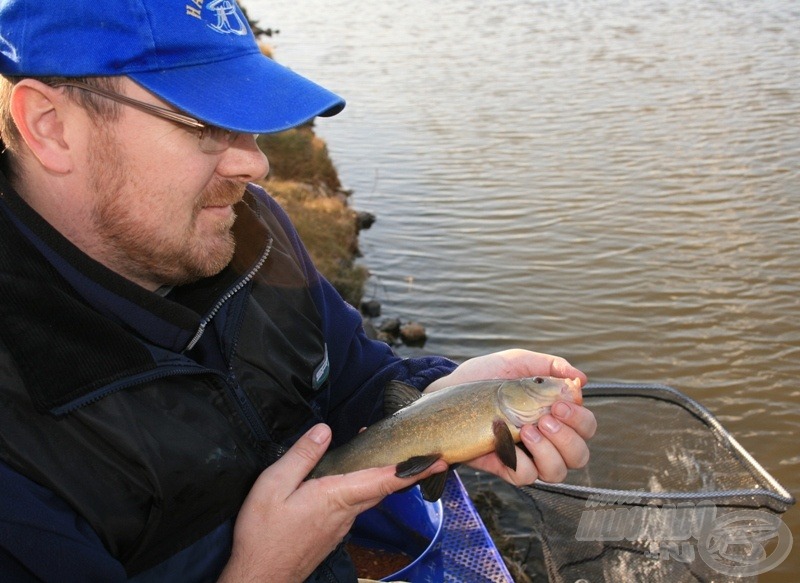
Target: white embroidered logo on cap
{"x": 229, "y": 20}
{"x": 224, "y": 9}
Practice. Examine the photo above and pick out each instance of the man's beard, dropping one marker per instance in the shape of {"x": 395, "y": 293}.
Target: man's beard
{"x": 163, "y": 252}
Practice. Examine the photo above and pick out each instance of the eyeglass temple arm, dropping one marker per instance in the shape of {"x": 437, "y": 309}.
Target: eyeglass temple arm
{"x": 146, "y": 107}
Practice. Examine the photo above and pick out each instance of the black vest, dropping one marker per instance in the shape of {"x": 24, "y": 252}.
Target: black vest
{"x": 151, "y": 435}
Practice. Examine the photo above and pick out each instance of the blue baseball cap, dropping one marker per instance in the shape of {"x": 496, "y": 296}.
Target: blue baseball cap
{"x": 198, "y": 55}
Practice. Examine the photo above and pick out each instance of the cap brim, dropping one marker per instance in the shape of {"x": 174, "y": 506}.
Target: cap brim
{"x": 250, "y": 93}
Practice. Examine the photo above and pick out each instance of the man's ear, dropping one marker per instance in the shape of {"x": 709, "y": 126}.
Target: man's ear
{"x": 40, "y": 113}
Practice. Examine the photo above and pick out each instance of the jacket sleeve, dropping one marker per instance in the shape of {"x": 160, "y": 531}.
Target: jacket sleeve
{"x": 42, "y": 539}
{"x": 360, "y": 367}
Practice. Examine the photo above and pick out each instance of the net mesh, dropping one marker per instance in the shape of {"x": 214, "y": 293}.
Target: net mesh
{"x": 664, "y": 498}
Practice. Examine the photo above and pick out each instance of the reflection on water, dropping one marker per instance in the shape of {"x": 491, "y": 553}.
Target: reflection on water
{"x": 611, "y": 181}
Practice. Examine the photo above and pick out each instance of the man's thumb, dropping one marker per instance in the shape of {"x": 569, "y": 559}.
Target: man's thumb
{"x": 307, "y": 451}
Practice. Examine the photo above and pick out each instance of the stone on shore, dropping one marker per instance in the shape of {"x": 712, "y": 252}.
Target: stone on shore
{"x": 413, "y": 334}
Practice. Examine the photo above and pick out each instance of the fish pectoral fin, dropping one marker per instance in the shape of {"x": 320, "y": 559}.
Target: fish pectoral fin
{"x": 415, "y": 465}
{"x": 504, "y": 443}
{"x": 433, "y": 487}
{"x": 398, "y": 395}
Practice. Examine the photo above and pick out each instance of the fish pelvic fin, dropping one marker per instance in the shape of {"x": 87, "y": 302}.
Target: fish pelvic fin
{"x": 504, "y": 443}
{"x": 398, "y": 395}
{"x": 432, "y": 488}
{"x": 415, "y": 465}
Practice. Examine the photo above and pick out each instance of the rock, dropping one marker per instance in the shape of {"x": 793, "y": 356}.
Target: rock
{"x": 413, "y": 334}
{"x": 390, "y": 326}
{"x": 364, "y": 220}
{"x": 371, "y": 308}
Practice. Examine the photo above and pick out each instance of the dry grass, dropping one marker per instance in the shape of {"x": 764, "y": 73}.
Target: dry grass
{"x": 327, "y": 226}
{"x": 300, "y": 155}
{"x": 304, "y": 181}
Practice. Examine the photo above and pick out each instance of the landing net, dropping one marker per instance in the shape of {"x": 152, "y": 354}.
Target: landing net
{"x": 669, "y": 496}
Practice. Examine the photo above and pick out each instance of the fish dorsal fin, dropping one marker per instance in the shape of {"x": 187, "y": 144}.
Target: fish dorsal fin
{"x": 397, "y": 396}
{"x": 504, "y": 443}
{"x": 432, "y": 488}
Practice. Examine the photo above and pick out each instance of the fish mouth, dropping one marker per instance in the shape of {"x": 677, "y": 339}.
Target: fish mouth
{"x": 572, "y": 391}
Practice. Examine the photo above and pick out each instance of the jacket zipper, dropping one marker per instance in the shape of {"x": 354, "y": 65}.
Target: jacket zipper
{"x": 228, "y": 295}
{"x": 245, "y": 406}
{"x": 248, "y": 411}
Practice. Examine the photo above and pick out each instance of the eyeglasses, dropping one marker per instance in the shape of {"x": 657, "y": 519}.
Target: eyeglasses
{"x": 213, "y": 139}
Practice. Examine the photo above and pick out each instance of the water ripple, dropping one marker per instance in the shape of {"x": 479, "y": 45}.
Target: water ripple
{"x": 608, "y": 180}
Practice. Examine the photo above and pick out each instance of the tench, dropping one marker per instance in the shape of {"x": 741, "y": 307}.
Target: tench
{"x": 456, "y": 424}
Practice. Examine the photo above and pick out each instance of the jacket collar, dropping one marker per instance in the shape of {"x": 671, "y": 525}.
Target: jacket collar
{"x": 54, "y": 297}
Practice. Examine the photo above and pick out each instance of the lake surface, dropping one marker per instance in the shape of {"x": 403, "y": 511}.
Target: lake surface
{"x": 616, "y": 182}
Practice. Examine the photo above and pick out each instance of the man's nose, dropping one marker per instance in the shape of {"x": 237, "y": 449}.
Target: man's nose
{"x": 244, "y": 160}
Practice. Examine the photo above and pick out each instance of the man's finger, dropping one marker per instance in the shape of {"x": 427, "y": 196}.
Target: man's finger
{"x": 581, "y": 419}
{"x": 365, "y": 488}
{"x": 572, "y": 449}
{"x": 547, "y": 458}
{"x": 295, "y": 465}
{"x": 560, "y": 367}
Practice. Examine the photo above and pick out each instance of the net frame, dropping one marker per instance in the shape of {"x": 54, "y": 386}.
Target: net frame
{"x": 771, "y": 495}
{"x": 558, "y": 508}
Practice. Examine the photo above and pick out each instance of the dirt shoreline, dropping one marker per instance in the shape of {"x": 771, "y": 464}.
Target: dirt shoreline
{"x": 304, "y": 181}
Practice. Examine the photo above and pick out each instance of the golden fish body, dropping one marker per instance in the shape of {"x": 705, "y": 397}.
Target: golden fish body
{"x": 456, "y": 424}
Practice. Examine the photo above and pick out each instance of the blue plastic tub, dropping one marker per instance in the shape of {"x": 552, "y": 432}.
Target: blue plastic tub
{"x": 405, "y": 523}
{"x": 447, "y": 538}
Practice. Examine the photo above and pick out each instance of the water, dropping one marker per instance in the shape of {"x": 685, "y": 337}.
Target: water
{"x": 612, "y": 181}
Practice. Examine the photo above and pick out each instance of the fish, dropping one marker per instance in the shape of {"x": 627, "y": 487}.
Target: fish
{"x": 455, "y": 424}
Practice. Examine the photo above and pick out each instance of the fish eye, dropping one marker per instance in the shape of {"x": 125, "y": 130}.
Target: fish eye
{"x": 538, "y": 380}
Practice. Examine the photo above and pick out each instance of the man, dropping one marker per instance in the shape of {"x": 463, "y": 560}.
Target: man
{"x": 164, "y": 337}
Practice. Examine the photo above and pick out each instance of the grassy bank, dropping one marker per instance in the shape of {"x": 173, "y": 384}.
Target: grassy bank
{"x": 304, "y": 181}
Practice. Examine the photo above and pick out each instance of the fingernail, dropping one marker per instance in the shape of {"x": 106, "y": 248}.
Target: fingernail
{"x": 550, "y": 424}
{"x": 561, "y": 409}
{"x": 530, "y": 433}
{"x": 319, "y": 433}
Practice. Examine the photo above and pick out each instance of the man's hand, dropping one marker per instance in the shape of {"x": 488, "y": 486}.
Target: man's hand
{"x": 287, "y": 526}
{"x": 557, "y": 442}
